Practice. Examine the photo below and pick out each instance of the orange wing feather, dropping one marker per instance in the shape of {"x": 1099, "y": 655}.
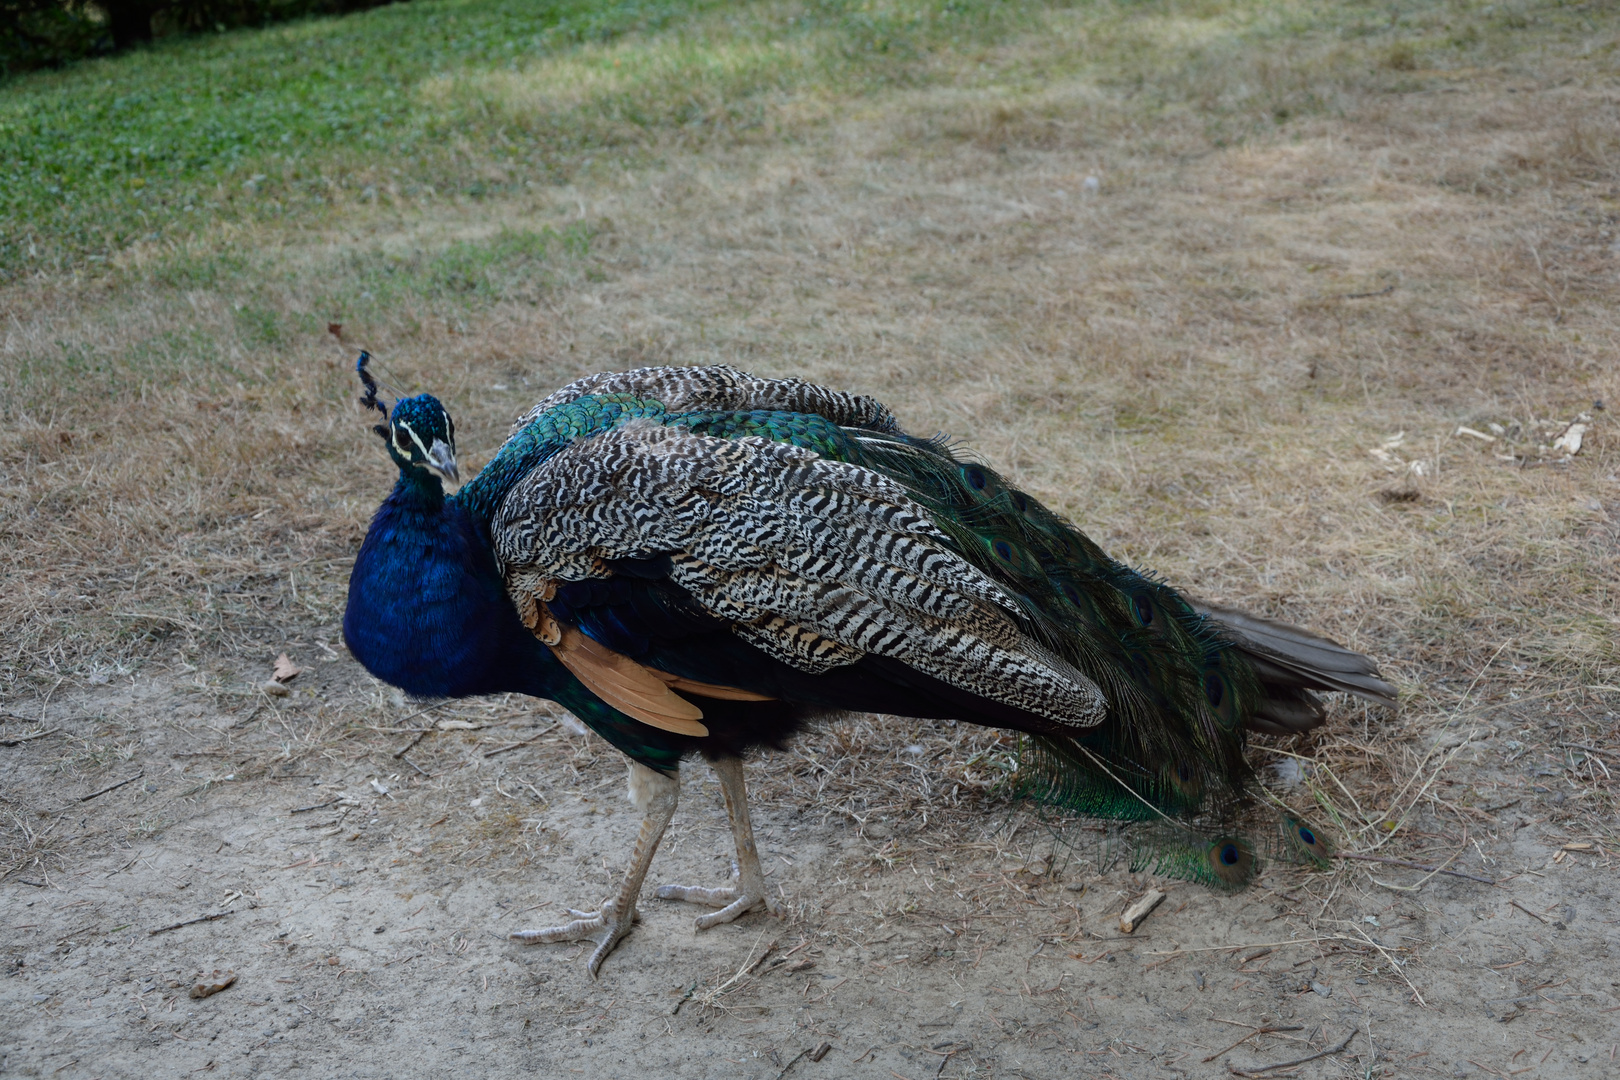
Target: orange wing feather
{"x": 636, "y": 690}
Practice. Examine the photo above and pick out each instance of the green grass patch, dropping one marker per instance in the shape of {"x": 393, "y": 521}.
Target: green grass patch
{"x": 473, "y": 98}
{"x": 443, "y": 97}
{"x": 512, "y": 264}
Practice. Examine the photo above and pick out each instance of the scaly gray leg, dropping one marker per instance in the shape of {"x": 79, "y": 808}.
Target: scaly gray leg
{"x": 655, "y": 794}
{"x": 750, "y": 891}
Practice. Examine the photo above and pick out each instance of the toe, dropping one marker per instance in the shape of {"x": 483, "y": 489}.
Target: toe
{"x": 583, "y": 927}
{"x": 694, "y": 894}
{"x": 730, "y": 913}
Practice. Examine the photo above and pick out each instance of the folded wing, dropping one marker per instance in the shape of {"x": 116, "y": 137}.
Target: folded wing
{"x": 816, "y": 563}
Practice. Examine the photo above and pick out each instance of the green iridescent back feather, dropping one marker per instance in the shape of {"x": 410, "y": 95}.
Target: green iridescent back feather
{"x": 1176, "y": 691}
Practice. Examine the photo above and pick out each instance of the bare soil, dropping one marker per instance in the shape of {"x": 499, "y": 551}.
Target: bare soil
{"x": 944, "y": 937}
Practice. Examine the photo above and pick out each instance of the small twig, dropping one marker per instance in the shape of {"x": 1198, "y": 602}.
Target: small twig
{"x": 1257, "y": 1031}
{"x": 1392, "y": 887}
{"x": 1235, "y": 948}
{"x": 401, "y": 752}
{"x": 762, "y": 956}
{"x": 424, "y": 712}
{"x": 415, "y": 766}
{"x": 408, "y": 747}
{"x": 317, "y": 806}
{"x": 1432, "y": 870}
{"x": 792, "y": 1063}
{"x": 114, "y": 787}
{"x": 711, "y": 996}
{"x": 1395, "y": 965}
{"x": 1385, "y": 291}
{"x": 1527, "y": 911}
{"x": 1261, "y": 1070}
{"x": 191, "y": 922}
{"x": 514, "y": 746}
{"x": 19, "y": 739}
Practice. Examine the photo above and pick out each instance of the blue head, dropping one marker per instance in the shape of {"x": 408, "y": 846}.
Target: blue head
{"x": 419, "y": 434}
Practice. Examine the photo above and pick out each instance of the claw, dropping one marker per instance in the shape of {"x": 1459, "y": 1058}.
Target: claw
{"x": 733, "y": 903}
{"x": 603, "y": 927}
{"x": 750, "y": 892}
{"x": 658, "y": 794}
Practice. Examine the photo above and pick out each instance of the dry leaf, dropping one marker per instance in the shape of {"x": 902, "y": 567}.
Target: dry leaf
{"x": 206, "y": 983}
{"x": 285, "y": 670}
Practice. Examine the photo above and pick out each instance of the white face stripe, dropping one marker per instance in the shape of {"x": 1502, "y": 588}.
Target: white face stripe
{"x": 414, "y": 438}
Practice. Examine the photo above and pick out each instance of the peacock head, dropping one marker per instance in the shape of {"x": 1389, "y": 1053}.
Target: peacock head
{"x": 421, "y": 435}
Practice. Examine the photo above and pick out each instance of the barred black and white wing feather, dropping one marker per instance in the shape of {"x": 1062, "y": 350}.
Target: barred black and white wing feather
{"x": 815, "y": 562}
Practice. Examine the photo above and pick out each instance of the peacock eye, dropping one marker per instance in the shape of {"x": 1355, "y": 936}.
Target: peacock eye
{"x": 1229, "y": 854}
{"x": 975, "y": 478}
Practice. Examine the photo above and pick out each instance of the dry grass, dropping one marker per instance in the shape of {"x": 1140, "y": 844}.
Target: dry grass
{"x": 1240, "y": 358}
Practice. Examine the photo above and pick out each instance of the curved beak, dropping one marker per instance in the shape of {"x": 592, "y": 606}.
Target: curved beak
{"x": 442, "y": 460}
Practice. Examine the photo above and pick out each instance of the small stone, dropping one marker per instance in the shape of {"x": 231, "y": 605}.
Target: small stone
{"x": 1320, "y": 988}
{"x": 275, "y": 689}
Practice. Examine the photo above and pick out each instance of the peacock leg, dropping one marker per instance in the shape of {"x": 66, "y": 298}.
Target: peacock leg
{"x": 750, "y": 891}
{"x": 655, "y": 795}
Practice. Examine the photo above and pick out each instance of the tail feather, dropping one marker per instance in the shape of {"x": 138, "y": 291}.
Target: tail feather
{"x": 1286, "y": 710}
{"x": 1290, "y": 663}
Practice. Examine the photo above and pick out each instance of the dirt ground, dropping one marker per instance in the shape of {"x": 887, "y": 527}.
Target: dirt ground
{"x": 1243, "y": 365}
{"x": 366, "y": 906}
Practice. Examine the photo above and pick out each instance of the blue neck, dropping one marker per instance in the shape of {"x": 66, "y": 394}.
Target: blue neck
{"x": 428, "y": 611}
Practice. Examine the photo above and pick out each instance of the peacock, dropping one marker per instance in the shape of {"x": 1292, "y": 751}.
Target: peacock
{"x": 698, "y": 561}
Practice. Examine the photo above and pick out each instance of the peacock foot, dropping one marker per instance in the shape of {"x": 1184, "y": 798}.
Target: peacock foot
{"x": 733, "y": 903}
{"x": 604, "y": 927}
